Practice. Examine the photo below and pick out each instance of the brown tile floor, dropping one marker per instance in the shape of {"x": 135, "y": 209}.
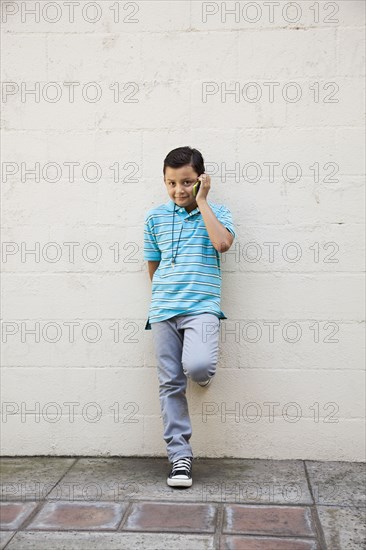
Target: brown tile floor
{"x": 117, "y": 503}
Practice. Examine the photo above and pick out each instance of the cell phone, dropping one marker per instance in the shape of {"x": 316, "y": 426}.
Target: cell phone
{"x": 196, "y": 187}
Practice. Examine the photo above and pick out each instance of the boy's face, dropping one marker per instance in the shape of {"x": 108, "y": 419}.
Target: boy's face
{"x": 179, "y": 183}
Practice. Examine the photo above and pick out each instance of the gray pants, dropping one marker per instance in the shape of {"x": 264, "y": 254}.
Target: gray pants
{"x": 185, "y": 346}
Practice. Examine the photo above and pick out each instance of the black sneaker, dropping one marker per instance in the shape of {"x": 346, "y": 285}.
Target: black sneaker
{"x": 181, "y": 473}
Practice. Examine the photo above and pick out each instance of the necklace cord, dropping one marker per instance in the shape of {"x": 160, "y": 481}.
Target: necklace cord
{"x": 176, "y": 252}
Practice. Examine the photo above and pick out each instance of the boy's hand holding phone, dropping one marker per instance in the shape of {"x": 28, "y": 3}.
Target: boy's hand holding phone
{"x": 202, "y": 187}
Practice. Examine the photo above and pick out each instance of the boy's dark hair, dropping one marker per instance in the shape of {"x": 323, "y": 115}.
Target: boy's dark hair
{"x": 183, "y": 156}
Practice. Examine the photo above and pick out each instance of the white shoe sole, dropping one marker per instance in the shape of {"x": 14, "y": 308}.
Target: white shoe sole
{"x": 179, "y": 482}
{"x": 205, "y": 384}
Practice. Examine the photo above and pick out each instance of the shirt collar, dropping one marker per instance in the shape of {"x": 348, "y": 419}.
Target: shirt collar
{"x": 170, "y": 204}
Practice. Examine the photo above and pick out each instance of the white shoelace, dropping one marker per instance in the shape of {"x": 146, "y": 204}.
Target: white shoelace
{"x": 182, "y": 464}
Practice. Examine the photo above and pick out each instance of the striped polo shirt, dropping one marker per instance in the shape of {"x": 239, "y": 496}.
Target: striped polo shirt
{"x": 193, "y": 285}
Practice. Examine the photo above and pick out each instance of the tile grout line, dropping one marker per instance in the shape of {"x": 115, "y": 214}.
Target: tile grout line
{"x": 218, "y": 530}
{"x": 167, "y": 501}
{"x": 41, "y": 503}
{"x": 314, "y": 513}
{"x": 124, "y": 517}
{"x": 61, "y": 478}
{"x": 258, "y": 534}
{"x": 318, "y": 528}
{"x": 11, "y": 538}
{"x": 28, "y": 519}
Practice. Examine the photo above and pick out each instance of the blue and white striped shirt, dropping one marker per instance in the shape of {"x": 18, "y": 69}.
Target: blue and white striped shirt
{"x": 193, "y": 285}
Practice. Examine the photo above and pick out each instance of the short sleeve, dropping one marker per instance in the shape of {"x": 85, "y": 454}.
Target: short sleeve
{"x": 151, "y": 249}
{"x": 224, "y": 216}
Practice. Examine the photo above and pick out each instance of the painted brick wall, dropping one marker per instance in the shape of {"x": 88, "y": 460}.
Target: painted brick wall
{"x": 94, "y": 96}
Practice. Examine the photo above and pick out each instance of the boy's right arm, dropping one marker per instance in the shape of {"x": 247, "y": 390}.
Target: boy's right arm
{"x": 152, "y": 253}
{"x": 152, "y": 266}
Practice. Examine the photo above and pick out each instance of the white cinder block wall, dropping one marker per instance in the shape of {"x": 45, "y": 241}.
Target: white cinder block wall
{"x": 273, "y": 96}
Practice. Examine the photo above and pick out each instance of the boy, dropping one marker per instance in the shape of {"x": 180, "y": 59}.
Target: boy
{"x": 182, "y": 242}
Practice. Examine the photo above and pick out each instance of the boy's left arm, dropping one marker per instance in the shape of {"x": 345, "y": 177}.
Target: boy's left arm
{"x": 220, "y": 236}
